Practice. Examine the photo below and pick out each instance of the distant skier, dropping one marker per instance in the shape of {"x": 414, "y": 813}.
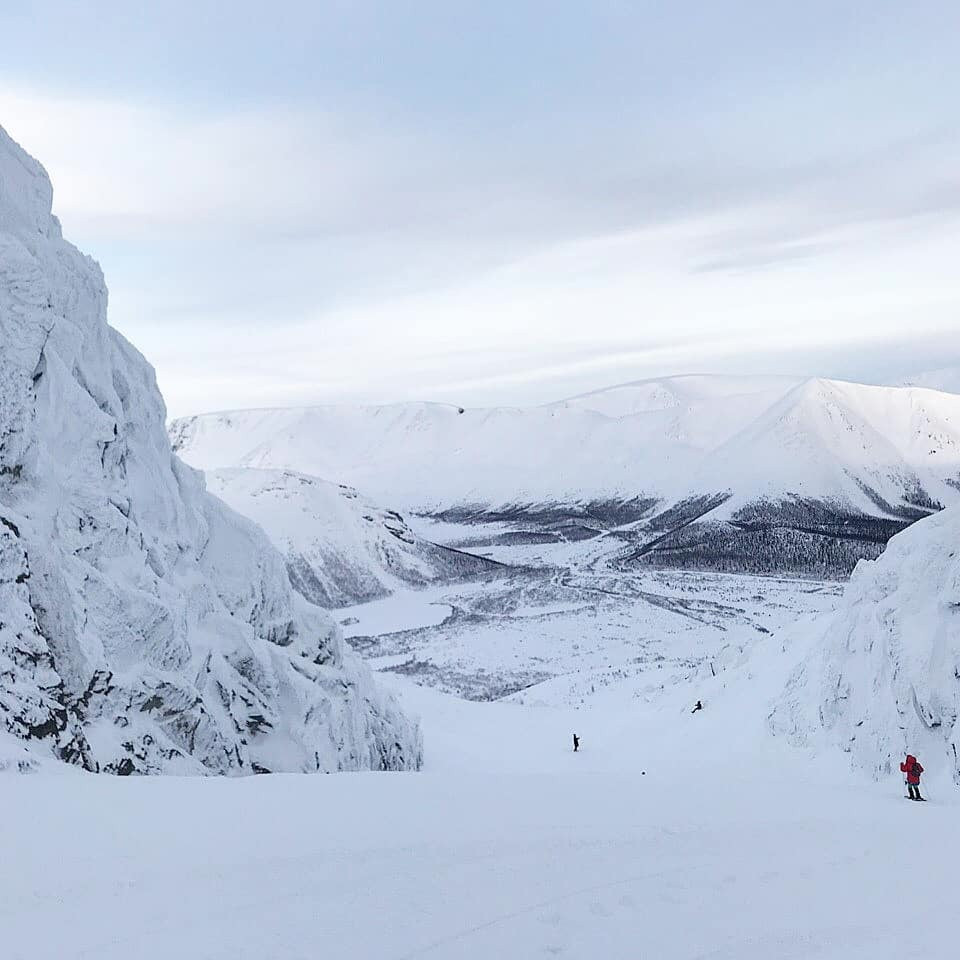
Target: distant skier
{"x": 576, "y": 743}
{"x": 911, "y": 767}
{"x": 698, "y": 706}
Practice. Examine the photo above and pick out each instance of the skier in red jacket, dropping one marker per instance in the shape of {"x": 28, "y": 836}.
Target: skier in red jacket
{"x": 911, "y": 767}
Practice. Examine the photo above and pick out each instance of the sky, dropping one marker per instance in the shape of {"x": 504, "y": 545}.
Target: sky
{"x": 501, "y": 203}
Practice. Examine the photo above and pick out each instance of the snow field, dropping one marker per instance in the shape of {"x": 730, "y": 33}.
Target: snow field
{"x": 670, "y": 835}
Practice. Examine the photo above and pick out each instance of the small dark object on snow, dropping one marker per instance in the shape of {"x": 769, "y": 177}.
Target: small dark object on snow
{"x": 911, "y": 767}
{"x": 576, "y": 743}
{"x": 699, "y": 706}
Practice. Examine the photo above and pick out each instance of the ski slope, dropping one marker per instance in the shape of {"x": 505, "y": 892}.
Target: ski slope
{"x": 670, "y": 835}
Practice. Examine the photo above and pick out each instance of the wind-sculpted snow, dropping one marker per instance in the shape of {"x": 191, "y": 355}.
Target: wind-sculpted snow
{"x": 881, "y": 676}
{"x": 144, "y": 627}
{"x": 339, "y": 548}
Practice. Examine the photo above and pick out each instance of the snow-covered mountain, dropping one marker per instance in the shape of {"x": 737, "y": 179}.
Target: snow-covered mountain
{"x": 881, "y": 676}
{"x": 144, "y": 626}
{"x": 776, "y": 472}
{"x": 339, "y": 547}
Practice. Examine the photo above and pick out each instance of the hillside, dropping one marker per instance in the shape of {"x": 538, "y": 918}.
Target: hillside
{"x": 339, "y": 548}
{"x": 727, "y": 473}
{"x": 144, "y": 627}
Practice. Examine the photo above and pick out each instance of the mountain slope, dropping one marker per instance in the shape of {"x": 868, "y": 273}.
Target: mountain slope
{"x": 339, "y": 548}
{"x": 881, "y": 677}
{"x": 144, "y": 627}
{"x": 693, "y": 471}
{"x": 671, "y": 438}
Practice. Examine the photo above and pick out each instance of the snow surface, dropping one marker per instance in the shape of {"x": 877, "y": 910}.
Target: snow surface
{"x": 758, "y": 438}
{"x": 671, "y": 835}
{"x": 144, "y": 627}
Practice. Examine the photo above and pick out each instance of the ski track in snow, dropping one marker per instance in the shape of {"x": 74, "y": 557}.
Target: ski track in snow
{"x": 670, "y": 835}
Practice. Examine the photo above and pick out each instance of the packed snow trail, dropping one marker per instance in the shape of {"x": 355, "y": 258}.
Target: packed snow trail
{"x": 668, "y": 836}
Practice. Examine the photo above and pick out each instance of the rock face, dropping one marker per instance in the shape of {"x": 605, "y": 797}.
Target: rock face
{"x": 144, "y": 626}
{"x": 883, "y": 678}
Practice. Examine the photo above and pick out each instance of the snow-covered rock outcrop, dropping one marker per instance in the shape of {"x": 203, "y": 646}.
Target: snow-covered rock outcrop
{"x": 339, "y": 547}
{"x": 144, "y": 626}
{"x": 883, "y": 677}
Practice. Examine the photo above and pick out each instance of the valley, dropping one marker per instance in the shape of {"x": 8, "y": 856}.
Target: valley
{"x": 563, "y": 622}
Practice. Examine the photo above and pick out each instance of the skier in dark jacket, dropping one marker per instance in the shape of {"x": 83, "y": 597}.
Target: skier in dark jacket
{"x": 576, "y": 743}
{"x": 911, "y": 767}
{"x": 697, "y": 706}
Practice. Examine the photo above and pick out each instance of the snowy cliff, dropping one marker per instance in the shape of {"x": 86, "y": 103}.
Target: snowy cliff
{"x": 881, "y": 676}
{"x": 144, "y": 626}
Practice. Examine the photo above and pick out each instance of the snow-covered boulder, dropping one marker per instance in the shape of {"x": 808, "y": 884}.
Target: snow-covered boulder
{"x": 144, "y": 626}
{"x": 881, "y": 676}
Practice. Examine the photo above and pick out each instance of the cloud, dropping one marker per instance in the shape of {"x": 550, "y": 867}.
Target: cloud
{"x": 275, "y": 254}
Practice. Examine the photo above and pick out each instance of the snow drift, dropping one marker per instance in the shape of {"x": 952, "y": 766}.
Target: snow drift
{"x": 881, "y": 676}
{"x": 339, "y": 548}
{"x": 144, "y": 626}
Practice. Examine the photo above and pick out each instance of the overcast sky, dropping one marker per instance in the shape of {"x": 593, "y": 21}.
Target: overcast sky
{"x": 501, "y": 202}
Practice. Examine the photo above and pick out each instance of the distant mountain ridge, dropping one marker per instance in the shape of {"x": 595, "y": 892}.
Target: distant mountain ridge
{"x": 821, "y": 471}
{"x": 946, "y": 379}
